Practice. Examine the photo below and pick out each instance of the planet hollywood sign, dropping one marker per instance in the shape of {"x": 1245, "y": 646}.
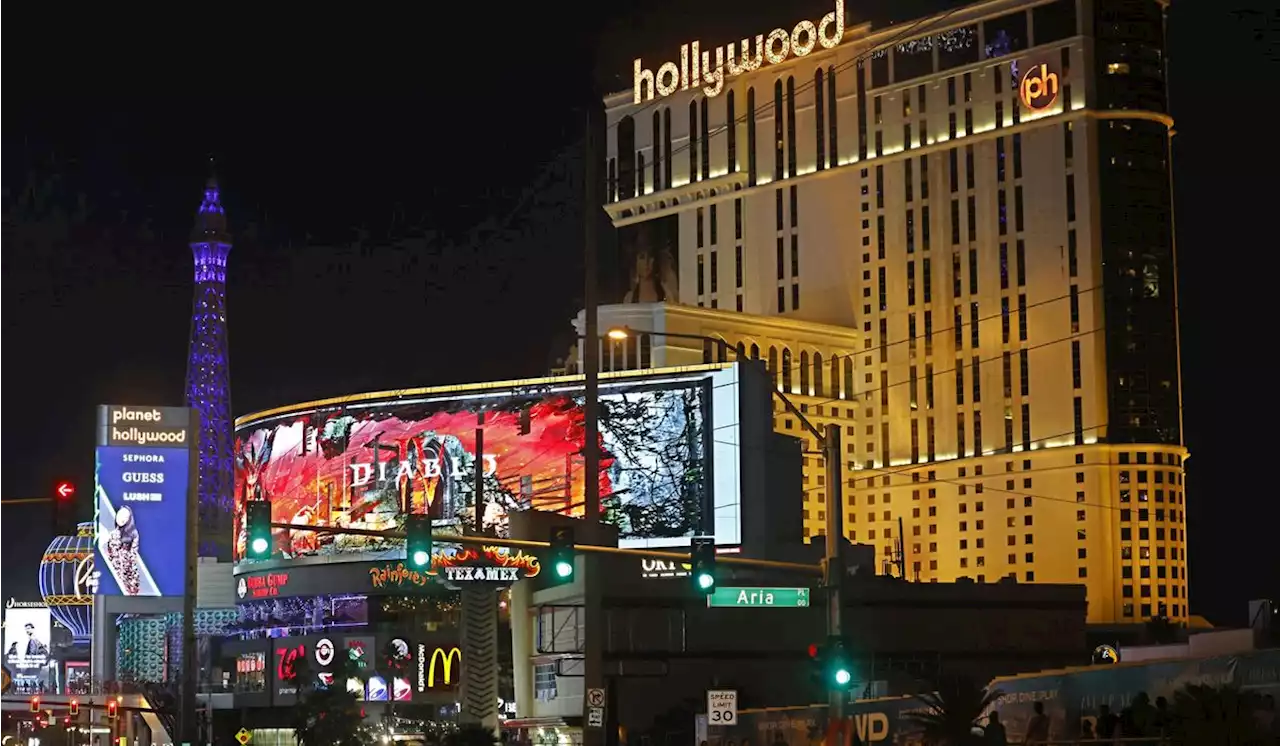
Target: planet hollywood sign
{"x": 709, "y": 70}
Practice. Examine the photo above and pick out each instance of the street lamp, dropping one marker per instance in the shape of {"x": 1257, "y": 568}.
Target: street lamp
{"x": 621, "y": 333}
{"x": 833, "y": 568}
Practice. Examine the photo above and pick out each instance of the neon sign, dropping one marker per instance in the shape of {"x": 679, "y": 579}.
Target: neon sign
{"x": 1039, "y": 88}
{"x": 696, "y": 70}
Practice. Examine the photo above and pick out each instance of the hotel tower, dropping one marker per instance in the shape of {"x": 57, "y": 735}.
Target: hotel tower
{"x": 952, "y": 237}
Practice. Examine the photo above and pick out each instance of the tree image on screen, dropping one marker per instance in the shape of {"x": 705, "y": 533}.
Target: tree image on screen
{"x": 369, "y": 467}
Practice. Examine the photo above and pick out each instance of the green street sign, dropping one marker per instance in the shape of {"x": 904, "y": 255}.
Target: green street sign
{"x": 759, "y": 598}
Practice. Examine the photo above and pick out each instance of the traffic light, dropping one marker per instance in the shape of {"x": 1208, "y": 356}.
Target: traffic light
{"x": 257, "y": 518}
{"x": 832, "y": 664}
{"x": 703, "y": 571}
{"x": 74, "y": 707}
{"x": 113, "y": 709}
{"x": 35, "y": 704}
{"x": 64, "y": 507}
{"x": 562, "y": 554}
{"x": 417, "y": 529}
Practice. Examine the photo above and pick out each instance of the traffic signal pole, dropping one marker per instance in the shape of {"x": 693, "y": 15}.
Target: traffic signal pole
{"x": 833, "y": 567}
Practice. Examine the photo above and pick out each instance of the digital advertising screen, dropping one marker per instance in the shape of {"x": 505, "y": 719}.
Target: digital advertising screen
{"x": 27, "y": 632}
{"x": 668, "y": 442}
{"x": 141, "y": 506}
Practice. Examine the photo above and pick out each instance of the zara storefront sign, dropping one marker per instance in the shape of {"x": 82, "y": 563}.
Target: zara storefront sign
{"x": 710, "y": 69}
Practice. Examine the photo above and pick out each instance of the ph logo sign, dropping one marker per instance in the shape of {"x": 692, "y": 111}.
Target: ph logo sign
{"x": 1039, "y": 88}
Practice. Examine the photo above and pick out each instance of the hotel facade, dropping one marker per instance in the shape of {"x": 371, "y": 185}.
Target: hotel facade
{"x": 951, "y": 237}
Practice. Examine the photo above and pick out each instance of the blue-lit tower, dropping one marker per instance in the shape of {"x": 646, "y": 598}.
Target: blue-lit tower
{"x": 208, "y": 372}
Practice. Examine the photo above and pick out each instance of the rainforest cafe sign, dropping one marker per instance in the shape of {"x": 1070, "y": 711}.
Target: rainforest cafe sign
{"x": 709, "y": 70}
{"x": 489, "y": 564}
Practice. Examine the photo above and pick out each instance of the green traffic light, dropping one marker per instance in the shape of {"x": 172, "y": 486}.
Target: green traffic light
{"x": 259, "y": 546}
{"x": 421, "y": 558}
{"x": 843, "y": 677}
{"x": 564, "y": 568}
{"x": 706, "y": 580}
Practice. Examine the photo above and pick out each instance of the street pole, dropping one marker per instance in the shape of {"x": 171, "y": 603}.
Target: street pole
{"x": 833, "y": 567}
{"x": 190, "y": 666}
{"x": 480, "y": 472}
{"x": 593, "y": 627}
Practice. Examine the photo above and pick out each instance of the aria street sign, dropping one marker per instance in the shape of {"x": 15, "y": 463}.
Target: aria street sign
{"x": 756, "y": 598}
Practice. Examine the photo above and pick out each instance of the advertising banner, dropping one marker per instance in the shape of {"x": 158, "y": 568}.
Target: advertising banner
{"x": 382, "y": 668}
{"x": 27, "y": 631}
{"x": 141, "y": 487}
{"x": 369, "y": 463}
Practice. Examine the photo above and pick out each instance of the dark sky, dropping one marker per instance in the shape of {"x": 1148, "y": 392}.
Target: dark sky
{"x": 434, "y": 128}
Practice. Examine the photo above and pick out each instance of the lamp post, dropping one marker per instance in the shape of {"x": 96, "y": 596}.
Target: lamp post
{"x": 832, "y": 566}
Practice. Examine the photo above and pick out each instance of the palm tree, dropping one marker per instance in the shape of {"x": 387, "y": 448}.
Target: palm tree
{"x": 1204, "y": 715}
{"x": 955, "y": 710}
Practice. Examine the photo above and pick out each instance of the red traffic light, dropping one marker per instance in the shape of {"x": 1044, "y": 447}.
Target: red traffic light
{"x": 65, "y": 490}
{"x": 113, "y": 708}
{"x": 35, "y": 704}
{"x": 813, "y": 650}
{"x": 74, "y": 707}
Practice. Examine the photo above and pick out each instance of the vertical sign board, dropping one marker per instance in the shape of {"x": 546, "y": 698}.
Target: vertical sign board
{"x": 143, "y": 483}
{"x": 722, "y": 707}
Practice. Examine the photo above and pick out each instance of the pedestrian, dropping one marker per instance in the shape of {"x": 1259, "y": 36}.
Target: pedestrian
{"x": 993, "y": 734}
{"x": 1108, "y": 723}
{"x": 1038, "y": 726}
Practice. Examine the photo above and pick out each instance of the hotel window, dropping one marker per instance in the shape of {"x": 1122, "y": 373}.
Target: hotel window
{"x": 959, "y": 383}
{"x": 951, "y": 91}
{"x": 1004, "y": 321}
{"x": 968, "y": 87}
{"x": 909, "y": 186}
{"x": 880, "y": 237}
{"x": 714, "y": 239}
{"x": 955, "y": 278}
{"x": 960, "y": 444}
{"x": 1071, "y": 198}
{"x": 819, "y": 120}
{"x": 1078, "y": 413}
{"x": 737, "y": 266}
{"x": 924, "y": 220}
{"x": 751, "y": 137}
{"x": 928, "y": 391}
{"x": 795, "y": 255}
{"x": 1002, "y": 212}
{"x": 1017, "y": 208}
{"x": 927, "y": 282}
{"x": 1073, "y": 263}
{"x": 731, "y": 133}
{"x": 968, "y": 167}
{"x": 977, "y": 433}
{"x": 1075, "y": 309}
{"x": 999, "y": 111}
{"x": 976, "y": 368}
{"x": 973, "y": 271}
{"x": 668, "y": 160}
{"x": 879, "y": 187}
{"x": 883, "y": 291}
{"x": 1021, "y": 259}
{"x": 1000, "y": 172}
{"x": 973, "y": 325}
{"x": 791, "y": 126}
{"x": 693, "y": 141}
{"x": 781, "y": 260}
{"x": 701, "y": 276}
{"x": 699, "y": 223}
{"x": 972, "y": 210}
{"x": 1068, "y": 142}
{"x": 879, "y": 142}
{"x": 1017, "y": 156}
{"x": 831, "y": 115}
{"x": 706, "y": 140}
{"x": 1024, "y": 368}
{"x": 779, "y": 221}
{"x": 968, "y": 121}
{"x": 657, "y": 159}
{"x": 777, "y": 132}
{"x": 924, "y": 177}
{"x": 959, "y": 330}
{"x": 877, "y": 109}
{"x": 951, "y": 124}
{"x": 1004, "y": 265}
{"x": 953, "y": 158}
{"x": 911, "y": 232}
{"x": 955, "y": 222}
{"x": 1022, "y": 317}
{"x": 1075, "y": 363}
{"x": 860, "y": 82}
{"x": 715, "y": 271}
{"x": 795, "y": 207}
{"x": 911, "y": 288}
{"x": 737, "y": 219}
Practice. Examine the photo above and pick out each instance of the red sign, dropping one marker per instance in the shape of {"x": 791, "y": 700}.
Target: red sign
{"x": 287, "y": 657}
{"x": 65, "y": 490}
{"x": 265, "y": 586}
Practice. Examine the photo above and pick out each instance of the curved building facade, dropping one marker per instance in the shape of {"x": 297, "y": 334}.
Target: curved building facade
{"x": 954, "y": 238}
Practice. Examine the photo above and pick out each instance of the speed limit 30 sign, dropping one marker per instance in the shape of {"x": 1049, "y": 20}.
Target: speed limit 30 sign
{"x": 722, "y": 707}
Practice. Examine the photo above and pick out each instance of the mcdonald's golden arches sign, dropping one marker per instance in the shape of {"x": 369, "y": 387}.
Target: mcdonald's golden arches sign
{"x": 439, "y": 668}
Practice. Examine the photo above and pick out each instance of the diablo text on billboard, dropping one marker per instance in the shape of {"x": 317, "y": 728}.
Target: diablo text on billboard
{"x": 1038, "y": 89}
{"x": 142, "y": 485}
{"x": 162, "y": 427}
{"x": 709, "y": 70}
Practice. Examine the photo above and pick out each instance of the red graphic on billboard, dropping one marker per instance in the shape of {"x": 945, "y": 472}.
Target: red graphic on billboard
{"x": 367, "y": 466}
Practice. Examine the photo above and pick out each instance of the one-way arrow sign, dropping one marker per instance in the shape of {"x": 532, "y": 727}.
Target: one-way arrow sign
{"x": 65, "y": 489}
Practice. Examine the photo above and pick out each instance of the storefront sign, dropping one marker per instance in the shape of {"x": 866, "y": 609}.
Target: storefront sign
{"x": 439, "y": 662}
{"x": 697, "y": 70}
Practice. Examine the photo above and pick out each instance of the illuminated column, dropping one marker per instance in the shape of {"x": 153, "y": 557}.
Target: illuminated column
{"x": 208, "y": 373}
{"x": 480, "y": 655}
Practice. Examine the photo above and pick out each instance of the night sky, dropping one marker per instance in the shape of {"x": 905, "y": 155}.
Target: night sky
{"x": 456, "y": 136}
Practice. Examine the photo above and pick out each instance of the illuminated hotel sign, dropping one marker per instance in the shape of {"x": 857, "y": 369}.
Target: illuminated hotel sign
{"x": 698, "y": 70}
{"x": 1039, "y": 88}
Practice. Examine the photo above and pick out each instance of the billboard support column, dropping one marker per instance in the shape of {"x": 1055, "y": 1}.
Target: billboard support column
{"x": 187, "y": 725}
{"x": 479, "y": 655}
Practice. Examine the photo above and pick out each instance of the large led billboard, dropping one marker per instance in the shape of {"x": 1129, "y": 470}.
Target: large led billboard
{"x": 669, "y": 467}
{"x": 27, "y": 631}
{"x": 141, "y": 491}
